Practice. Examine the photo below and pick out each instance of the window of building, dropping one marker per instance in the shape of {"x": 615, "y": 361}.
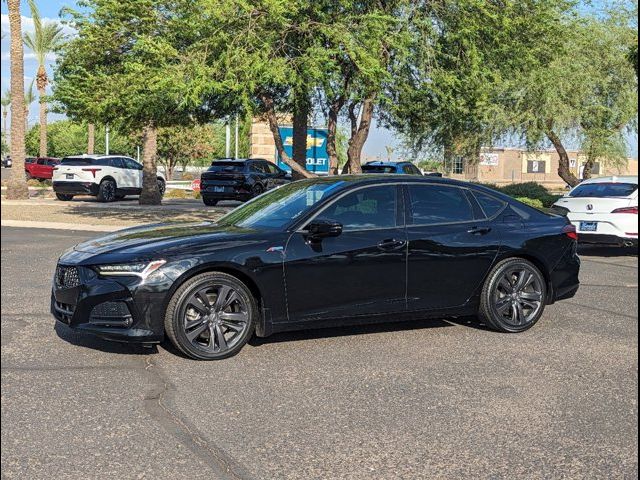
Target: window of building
{"x": 458, "y": 165}
{"x": 536, "y": 166}
{"x": 595, "y": 170}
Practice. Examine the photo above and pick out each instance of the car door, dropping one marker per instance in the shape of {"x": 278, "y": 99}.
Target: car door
{"x": 362, "y": 271}
{"x": 39, "y": 167}
{"x": 451, "y": 245}
{"x": 133, "y": 173}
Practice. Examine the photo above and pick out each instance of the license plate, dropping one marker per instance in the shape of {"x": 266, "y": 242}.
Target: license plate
{"x": 588, "y": 226}
{"x": 69, "y": 176}
{"x": 218, "y": 189}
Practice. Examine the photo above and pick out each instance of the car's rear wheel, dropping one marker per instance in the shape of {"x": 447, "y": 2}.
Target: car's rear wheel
{"x": 256, "y": 190}
{"x": 107, "y": 191}
{"x": 209, "y": 202}
{"x": 211, "y": 316}
{"x": 513, "y": 297}
{"x": 64, "y": 197}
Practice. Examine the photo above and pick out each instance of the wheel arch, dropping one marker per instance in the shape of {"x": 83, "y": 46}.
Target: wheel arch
{"x": 537, "y": 262}
{"x": 261, "y": 327}
{"x": 108, "y": 177}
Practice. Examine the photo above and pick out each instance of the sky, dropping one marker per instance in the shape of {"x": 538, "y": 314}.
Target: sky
{"x": 379, "y": 138}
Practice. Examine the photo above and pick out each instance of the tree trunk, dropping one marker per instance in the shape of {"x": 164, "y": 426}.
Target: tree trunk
{"x": 564, "y": 166}
{"x": 332, "y": 131}
{"x": 91, "y": 142}
{"x": 150, "y": 194}
{"x": 300, "y": 127}
{"x": 267, "y": 101}
{"x": 17, "y": 185}
{"x": 359, "y": 133}
{"x": 43, "y": 124}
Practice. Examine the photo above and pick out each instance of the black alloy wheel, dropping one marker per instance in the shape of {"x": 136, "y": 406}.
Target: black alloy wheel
{"x": 161, "y": 187}
{"x": 211, "y": 316}
{"x": 514, "y": 296}
{"x": 209, "y": 202}
{"x": 64, "y": 197}
{"x": 256, "y": 190}
{"x": 107, "y": 191}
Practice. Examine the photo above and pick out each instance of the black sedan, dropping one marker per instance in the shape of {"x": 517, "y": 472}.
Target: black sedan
{"x": 319, "y": 253}
{"x": 239, "y": 179}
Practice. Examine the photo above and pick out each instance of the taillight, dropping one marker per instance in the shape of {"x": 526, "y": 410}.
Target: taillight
{"x": 92, "y": 170}
{"x": 631, "y": 210}
{"x": 571, "y": 232}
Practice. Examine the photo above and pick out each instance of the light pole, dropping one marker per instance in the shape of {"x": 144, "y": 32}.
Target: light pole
{"x": 106, "y": 140}
{"x": 236, "y": 137}
{"x": 227, "y": 150}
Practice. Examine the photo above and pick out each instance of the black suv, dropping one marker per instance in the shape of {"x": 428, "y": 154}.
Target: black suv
{"x": 402, "y": 168}
{"x": 239, "y": 179}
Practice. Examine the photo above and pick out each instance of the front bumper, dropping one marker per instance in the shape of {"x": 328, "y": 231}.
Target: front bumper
{"x": 75, "y": 188}
{"x": 108, "y": 307}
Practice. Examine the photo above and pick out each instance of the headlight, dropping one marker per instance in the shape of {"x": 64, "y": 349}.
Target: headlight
{"x": 142, "y": 269}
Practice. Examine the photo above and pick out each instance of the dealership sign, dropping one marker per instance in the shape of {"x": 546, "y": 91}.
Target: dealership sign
{"x": 489, "y": 159}
{"x": 317, "y": 156}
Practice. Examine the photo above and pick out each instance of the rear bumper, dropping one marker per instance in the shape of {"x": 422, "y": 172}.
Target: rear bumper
{"x": 564, "y": 277}
{"x": 75, "y": 188}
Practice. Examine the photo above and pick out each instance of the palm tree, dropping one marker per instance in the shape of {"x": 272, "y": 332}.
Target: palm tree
{"x": 29, "y": 98}
{"x": 5, "y": 101}
{"x": 47, "y": 37}
{"x": 17, "y": 185}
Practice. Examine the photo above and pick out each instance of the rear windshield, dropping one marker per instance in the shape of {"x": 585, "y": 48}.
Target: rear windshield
{"x": 378, "y": 169}
{"x": 223, "y": 167}
{"x": 79, "y": 162}
{"x": 602, "y": 190}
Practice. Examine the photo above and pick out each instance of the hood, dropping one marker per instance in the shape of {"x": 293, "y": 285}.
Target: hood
{"x": 161, "y": 238}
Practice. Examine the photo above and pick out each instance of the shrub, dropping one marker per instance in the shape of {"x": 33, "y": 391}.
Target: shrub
{"x": 177, "y": 193}
{"x": 528, "y": 190}
{"x": 532, "y": 202}
{"x": 188, "y": 176}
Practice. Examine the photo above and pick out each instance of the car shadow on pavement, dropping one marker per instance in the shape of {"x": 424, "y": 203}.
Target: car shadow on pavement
{"x": 332, "y": 332}
{"x": 607, "y": 252}
{"x": 82, "y": 339}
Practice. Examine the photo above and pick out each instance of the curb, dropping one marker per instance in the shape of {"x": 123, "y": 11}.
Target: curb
{"x": 62, "y": 226}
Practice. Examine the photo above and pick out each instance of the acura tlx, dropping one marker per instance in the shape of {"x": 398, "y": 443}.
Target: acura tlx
{"x": 322, "y": 252}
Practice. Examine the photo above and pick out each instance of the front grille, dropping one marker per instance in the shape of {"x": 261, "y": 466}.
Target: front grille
{"x": 67, "y": 277}
{"x": 114, "y": 314}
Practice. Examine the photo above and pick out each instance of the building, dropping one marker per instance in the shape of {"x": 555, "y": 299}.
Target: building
{"x": 513, "y": 165}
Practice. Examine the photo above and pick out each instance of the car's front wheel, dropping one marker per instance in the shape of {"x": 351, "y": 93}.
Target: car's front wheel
{"x": 162, "y": 187}
{"x": 211, "y": 316}
{"x": 107, "y": 191}
{"x": 513, "y": 297}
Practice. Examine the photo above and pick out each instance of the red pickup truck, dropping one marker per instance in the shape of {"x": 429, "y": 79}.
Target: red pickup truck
{"x": 40, "y": 168}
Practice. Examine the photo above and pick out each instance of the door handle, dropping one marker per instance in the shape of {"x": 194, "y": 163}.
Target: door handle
{"x": 479, "y": 230}
{"x": 391, "y": 244}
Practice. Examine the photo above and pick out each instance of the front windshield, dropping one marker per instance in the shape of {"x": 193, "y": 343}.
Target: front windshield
{"x": 277, "y": 208}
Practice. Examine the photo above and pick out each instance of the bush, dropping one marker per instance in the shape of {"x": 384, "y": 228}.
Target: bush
{"x": 532, "y": 202}
{"x": 177, "y": 193}
{"x": 188, "y": 176}
{"x": 530, "y": 191}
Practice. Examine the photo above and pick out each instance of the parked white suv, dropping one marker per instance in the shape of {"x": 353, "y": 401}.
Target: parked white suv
{"x": 107, "y": 177}
{"x": 604, "y": 210}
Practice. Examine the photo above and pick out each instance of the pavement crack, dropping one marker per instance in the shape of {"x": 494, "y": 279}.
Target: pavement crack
{"x": 160, "y": 405}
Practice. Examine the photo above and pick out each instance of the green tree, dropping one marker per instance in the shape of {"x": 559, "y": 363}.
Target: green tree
{"x": 66, "y": 137}
{"x": 46, "y": 38}
{"x": 129, "y": 67}
{"x": 183, "y": 145}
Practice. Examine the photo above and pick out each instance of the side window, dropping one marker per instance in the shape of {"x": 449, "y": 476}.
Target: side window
{"x": 132, "y": 164}
{"x": 52, "y": 163}
{"x": 271, "y": 168}
{"x": 104, "y": 162}
{"x": 119, "y": 163}
{"x": 407, "y": 169}
{"x": 41, "y": 161}
{"x": 434, "y": 204}
{"x": 374, "y": 207}
{"x": 491, "y": 206}
{"x": 254, "y": 167}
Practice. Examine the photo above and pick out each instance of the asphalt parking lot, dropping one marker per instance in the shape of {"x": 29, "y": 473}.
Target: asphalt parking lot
{"x": 427, "y": 399}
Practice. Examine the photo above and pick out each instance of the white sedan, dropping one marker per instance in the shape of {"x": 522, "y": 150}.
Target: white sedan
{"x": 604, "y": 210}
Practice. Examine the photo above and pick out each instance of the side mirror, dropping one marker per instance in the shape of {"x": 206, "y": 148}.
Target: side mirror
{"x": 319, "y": 229}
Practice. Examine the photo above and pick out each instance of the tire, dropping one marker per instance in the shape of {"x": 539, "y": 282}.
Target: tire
{"x": 28, "y": 175}
{"x": 256, "y": 190}
{"x": 195, "y": 316}
{"x": 64, "y": 197}
{"x": 513, "y": 297}
{"x": 209, "y": 202}
{"x": 107, "y": 191}
{"x": 162, "y": 187}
